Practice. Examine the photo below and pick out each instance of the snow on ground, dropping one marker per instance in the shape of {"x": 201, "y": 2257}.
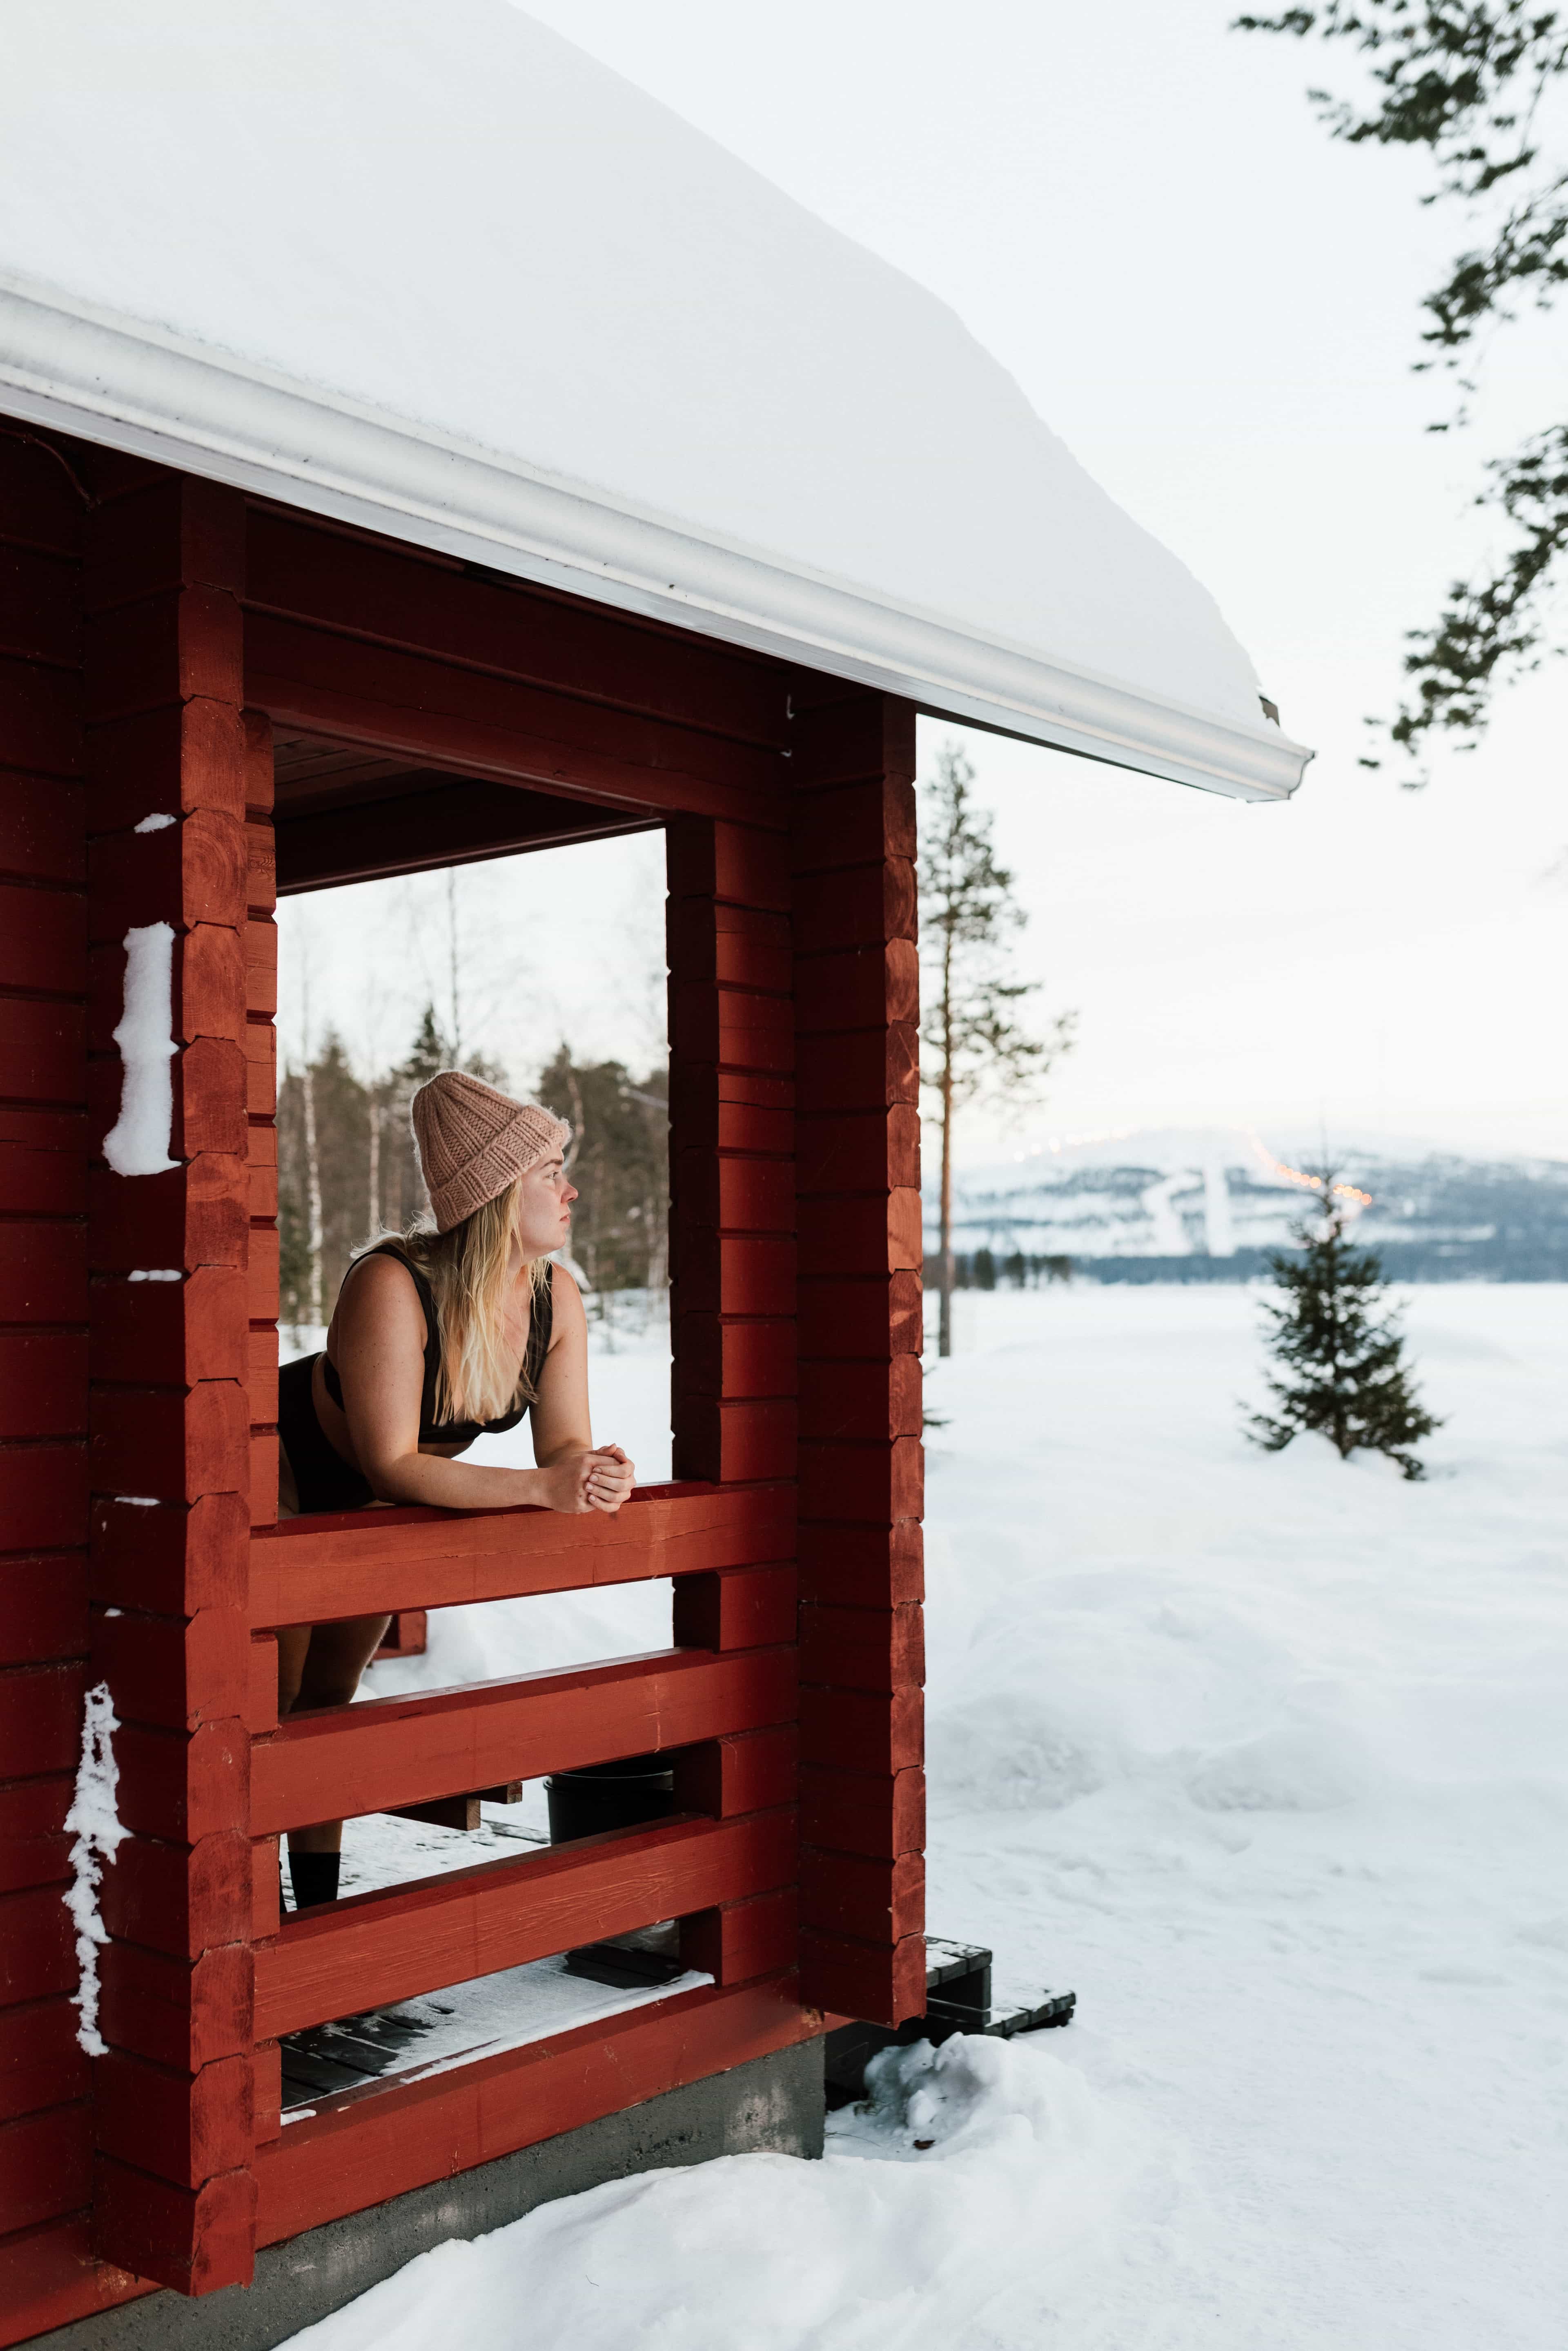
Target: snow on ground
{"x": 1268, "y": 1758}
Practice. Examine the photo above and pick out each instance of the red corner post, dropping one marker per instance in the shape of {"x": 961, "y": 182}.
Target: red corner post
{"x": 863, "y": 1790}
{"x": 731, "y": 1264}
{"x": 173, "y": 2196}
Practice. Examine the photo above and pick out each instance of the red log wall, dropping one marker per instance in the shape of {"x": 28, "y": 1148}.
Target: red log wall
{"x": 152, "y": 628}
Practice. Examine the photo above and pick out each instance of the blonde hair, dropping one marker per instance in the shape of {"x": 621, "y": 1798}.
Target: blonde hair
{"x": 467, "y": 1270}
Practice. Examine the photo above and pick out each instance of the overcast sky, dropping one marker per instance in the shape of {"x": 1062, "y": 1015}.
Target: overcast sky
{"x": 1215, "y": 307}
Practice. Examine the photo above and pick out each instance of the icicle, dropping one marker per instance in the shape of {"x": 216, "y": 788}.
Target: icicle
{"x": 95, "y": 1818}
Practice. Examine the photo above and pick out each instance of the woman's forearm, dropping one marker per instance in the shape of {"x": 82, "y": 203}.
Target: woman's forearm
{"x": 443, "y": 1485}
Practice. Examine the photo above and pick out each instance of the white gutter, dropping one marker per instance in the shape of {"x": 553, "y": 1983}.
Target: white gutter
{"x": 137, "y": 388}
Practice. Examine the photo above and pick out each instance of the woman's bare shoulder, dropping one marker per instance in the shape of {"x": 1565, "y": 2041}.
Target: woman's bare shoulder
{"x": 379, "y": 1283}
{"x": 566, "y": 1303}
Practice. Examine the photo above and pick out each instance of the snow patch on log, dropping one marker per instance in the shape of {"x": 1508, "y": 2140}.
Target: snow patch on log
{"x": 137, "y": 1143}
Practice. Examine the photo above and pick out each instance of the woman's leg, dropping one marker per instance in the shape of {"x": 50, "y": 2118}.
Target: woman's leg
{"x": 332, "y": 1659}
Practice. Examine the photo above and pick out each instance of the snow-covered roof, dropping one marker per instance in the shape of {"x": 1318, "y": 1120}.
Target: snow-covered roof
{"x": 423, "y": 265}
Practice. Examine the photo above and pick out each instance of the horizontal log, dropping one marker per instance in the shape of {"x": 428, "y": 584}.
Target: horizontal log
{"x": 740, "y": 1940}
{"x": 438, "y": 712}
{"x": 743, "y": 1608}
{"x": 174, "y": 1672}
{"x": 266, "y": 1888}
{"x": 367, "y": 2150}
{"x": 338, "y": 1762}
{"x": 174, "y": 1445}
{"x": 750, "y": 1773}
{"x": 42, "y": 2062}
{"x": 857, "y": 988}
{"x": 40, "y": 718}
{"x": 175, "y": 2010}
{"x": 737, "y": 1359}
{"x": 43, "y": 1608}
{"x": 261, "y": 1272}
{"x": 192, "y": 872}
{"x": 187, "y": 1216}
{"x": 864, "y": 1567}
{"x": 41, "y": 500}
{"x": 34, "y": 1846}
{"x": 42, "y": 826}
{"x": 50, "y": 2277}
{"x": 167, "y": 761}
{"x": 261, "y": 968}
{"x": 740, "y": 1440}
{"x": 862, "y": 1648}
{"x": 43, "y": 940}
{"x": 873, "y": 1900}
{"x": 171, "y": 646}
{"x": 879, "y": 1482}
{"x": 861, "y": 906}
{"x": 37, "y": 1945}
{"x": 40, "y": 607}
{"x": 856, "y": 1402}
{"x": 354, "y": 1563}
{"x": 263, "y": 1478}
{"x": 172, "y": 1333}
{"x": 742, "y": 862}
{"x": 42, "y": 1042}
{"x": 260, "y": 868}
{"x": 740, "y": 946}
{"x": 260, "y": 779}
{"x": 406, "y": 600}
{"x": 172, "y": 530}
{"x": 182, "y": 1786}
{"x": 43, "y": 1269}
{"x": 877, "y": 1234}
{"x": 373, "y": 1949}
{"x": 841, "y": 734}
{"x": 180, "y": 1899}
{"x": 40, "y": 1719}
{"x": 867, "y": 1069}
{"x": 43, "y": 1494}
{"x": 182, "y": 2127}
{"x": 874, "y": 1150}
{"x": 744, "y": 1274}
{"x": 192, "y": 2239}
{"x": 43, "y": 1384}
{"x": 44, "y": 2165}
{"x": 850, "y": 823}
{"x": 171, "y": 1559}
{"x": 882, "y": 1985}
{"x": 867, "y": 1316}
{"x": 861, "y": 1730}
{"x": 733, "y": 1194}
{"x": 862, "y": 1811}
{"x": 43, "y": 1162}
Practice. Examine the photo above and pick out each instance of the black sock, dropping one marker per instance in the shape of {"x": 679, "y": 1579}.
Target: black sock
{"x": 314, "y": 1877}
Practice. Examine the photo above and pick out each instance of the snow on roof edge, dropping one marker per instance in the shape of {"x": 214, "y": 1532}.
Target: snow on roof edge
{"x": 122, "y": 381}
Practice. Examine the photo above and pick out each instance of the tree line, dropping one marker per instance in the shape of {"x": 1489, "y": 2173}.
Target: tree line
{"x": 347, "y": 1171}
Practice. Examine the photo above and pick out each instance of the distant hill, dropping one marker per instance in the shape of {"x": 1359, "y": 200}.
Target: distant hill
{"x": 1203, "y": 1204}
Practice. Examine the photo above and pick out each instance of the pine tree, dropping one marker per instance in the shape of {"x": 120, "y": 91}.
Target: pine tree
{"x": 974, "y": 1042}
{"x": 1338, "y": 1349}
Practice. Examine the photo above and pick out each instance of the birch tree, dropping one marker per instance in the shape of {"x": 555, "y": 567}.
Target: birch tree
{"x": 974, "y": 1041}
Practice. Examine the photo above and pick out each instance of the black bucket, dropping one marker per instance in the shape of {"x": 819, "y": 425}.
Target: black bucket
{"x": 619, "y": 1795}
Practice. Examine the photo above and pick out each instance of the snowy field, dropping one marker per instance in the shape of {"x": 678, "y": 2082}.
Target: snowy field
{"x": 1268, "y": 1758}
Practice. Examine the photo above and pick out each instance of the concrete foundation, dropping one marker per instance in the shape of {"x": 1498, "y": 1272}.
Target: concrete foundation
{"x": 774, "y": 2103}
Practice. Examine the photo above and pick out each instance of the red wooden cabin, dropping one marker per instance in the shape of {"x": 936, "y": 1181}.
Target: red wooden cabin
{"x": 329, "y": 644}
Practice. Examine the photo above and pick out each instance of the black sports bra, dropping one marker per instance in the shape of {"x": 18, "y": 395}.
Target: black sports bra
{"x": 458, "y": 1432}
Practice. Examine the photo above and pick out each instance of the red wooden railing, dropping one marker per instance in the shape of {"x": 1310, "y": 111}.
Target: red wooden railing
{"x": 723, "y": 1702}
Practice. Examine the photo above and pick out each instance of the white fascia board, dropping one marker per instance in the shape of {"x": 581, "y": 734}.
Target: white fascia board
{"x": 156, "y": 396}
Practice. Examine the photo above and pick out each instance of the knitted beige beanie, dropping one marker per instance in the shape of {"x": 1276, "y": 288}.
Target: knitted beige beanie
{"x": 473, "y": 1142}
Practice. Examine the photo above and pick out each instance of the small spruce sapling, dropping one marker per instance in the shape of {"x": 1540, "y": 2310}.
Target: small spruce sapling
{"x": 1338, "y": 1349}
